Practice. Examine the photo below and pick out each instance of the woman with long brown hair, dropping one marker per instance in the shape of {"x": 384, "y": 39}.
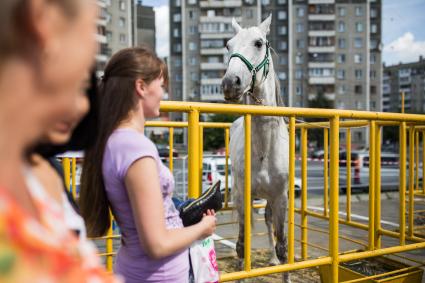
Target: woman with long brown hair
{"x": 46, "y": 49}
{"x": 123, "y": 172}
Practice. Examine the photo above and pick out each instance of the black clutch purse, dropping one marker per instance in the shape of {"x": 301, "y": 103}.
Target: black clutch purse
{"x": 191, "y": 213}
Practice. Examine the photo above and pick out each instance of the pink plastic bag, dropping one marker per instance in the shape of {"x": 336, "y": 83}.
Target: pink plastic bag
{"x": 203, "y": 260}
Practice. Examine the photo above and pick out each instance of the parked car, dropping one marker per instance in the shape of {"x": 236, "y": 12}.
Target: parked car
{"x": 390, "y": 171}
{"x": 164, "y": 151}
{"x": 213, "y": 169}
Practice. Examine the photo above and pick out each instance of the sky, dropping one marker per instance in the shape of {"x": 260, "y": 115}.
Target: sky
{"x": 403, "y": 29}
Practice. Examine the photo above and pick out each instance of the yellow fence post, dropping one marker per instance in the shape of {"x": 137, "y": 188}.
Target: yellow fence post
{"x": 334, "y": 192}
{"x": 226, "y": 168}
{"x": 411, "y": 178}
{"x": 170, "y": 145}
{"x": 372, "y": 163}
{"x": 74, "y": 177}
{"x": 348, "y": 167}
{"x": 247, "y": 193}
{"x": 402, "y": 189}
{"x": 417, "y": 161}
{"x": 193, "y": 152}
{"x": 423, "y": 162}
{"x": 304, "y": 193}
{"x": 66, "y": 172}
{"x": 326, "y": 172}
{"x": 109, "y": 246}
{"x": 378, "y": 188}
{"x": 291, "y": 227}
{"x": 201, "y": 156}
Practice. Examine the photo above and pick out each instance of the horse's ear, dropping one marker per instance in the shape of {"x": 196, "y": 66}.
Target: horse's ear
{"x": 235, "y": 25}
{"x": 265, "y": 25}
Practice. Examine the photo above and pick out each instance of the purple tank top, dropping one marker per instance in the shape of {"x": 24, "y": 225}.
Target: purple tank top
{"x": 124, "y": 147}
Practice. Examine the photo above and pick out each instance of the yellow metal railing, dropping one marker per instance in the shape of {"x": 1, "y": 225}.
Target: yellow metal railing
{"x": 338, "y": 119}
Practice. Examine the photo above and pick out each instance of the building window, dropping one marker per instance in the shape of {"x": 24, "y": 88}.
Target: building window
{"x": 341, "y": 58}
{"x": 177, "y": 47}
{"x": 176, "y": 32}
{"x": 177, "y": 62}
{"x": 341, "y": 104}
{"x": 178, "y": 3}
{"x": 191, "y": 2}
{"x": 300, "y": 43}
{"x": 281, "y": 30}
{"x": 358, "y": 42}
{"x": 281, "y": 15}
{"x": 282, "y": 45}
{"x": 122, "y": 5}
{"x": 341, "y": 89}
{"x": 194, "y": 76}
{"x": 177, "y": 18}
{"x": 300, "y": 12}
{"x": 372, "y": 58}
{"x": 299, "y": 59}
{"x": 341, "y": 26}
{"x": 372, "y": 74}
{"x": 298, "y": 74}
{"x": 281, "y": 1}
{"x": 374, "y": 28}
{"x": 298, "y": 90}
{"x": 249, "y": 14}
{"x": 358, "y": 74}
{"x": 358, "y": 89}
{"x": 373, "y": 13}
{"x": 282, "y": 76}
{"x": 283, "y": 60}
{"x": 192, "y": 61}
{"x": 373, "y": 104}
{"x": 359, "y": 27}
{"x": 193, "y": 30}
{"x": 265, "y": 2}
{"x": 123, "y": 38}
{"x": 359, "y": 11}
{"x": 373, "y": 89}
{"x": 359, "y": 105}
{"x": 121, "y": 22}
{"x": 341, "y": 43}
{"x": 341, "y": 11}
{"x": 340, "y": 74}
{"x": 357, "y": 58}
{"x": 192, "y": 46}
{"x": 300, "y": 28}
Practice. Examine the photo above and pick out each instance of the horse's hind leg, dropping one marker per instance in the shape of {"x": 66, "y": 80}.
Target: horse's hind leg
{"x": 269, "y": 223}
{"x": 279, "y": 207}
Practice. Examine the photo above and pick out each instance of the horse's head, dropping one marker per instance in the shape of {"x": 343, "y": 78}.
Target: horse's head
{"x": 249, "y": 59}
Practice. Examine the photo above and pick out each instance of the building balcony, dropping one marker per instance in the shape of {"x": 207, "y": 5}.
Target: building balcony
{"x": 220, "y": 4}
{"x": 219, "y": 19}
{"x": 329, "y": 96}
{"x": 328, "y": 65}
{"x": 101, "y": 58}
{"x": 321, "y": 17}
{"x": 386, "y": 99}
{"x": 219, "y": 97}
{"x": 215, "y": 81}
{"x": 321, "y": 49}
{"x": 321, "y": 1}
{"x": 321, "y": 80}
{"x": 213, "y": 51}
{"x": 213, "y": 66}
{"x": 217, "y": 35}
{"x": 321, "y": 33}
{"x": 102, "y": 22}
{"x": 101, "y": 38}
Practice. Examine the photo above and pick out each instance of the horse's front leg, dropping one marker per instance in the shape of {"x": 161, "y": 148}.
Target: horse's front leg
{"x": 279, "y": 207}
{"x": 268, "y": 215}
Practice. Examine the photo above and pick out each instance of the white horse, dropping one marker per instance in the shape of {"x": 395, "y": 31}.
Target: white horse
{"x": 250, "y": 77}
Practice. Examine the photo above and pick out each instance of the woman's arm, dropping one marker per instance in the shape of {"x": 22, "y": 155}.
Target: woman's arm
{"x": 142, "y": 183}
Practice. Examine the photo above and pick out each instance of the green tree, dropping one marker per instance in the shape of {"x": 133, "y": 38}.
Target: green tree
{"x": 214, "y": 138}
{"x": 320, "y": 101}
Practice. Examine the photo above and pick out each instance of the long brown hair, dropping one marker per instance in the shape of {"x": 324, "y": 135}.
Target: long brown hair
{"x": 117, "y": 99}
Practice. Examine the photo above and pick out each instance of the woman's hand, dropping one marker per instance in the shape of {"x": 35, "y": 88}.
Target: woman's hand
{"x": 209, "y": 223}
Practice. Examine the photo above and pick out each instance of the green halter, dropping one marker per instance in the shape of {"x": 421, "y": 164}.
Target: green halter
{"x": 253, "y": 70}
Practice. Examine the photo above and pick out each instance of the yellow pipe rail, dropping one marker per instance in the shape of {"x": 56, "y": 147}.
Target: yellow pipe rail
{"x": 291, "y": 207}
{"x": 226, "y": 166}
{"x": 348, "y": 189}
{"x": 193, "y": 158}
{"x": 333, "y": 221}
{"x": 372, "y": 163}
{"x": 377, "y": 227}
{"x": 402, "y": 187}
{"x": 247, "y": 194}
{"x": 411, "y": 179}
{"x": 304, "y": 193}
{"x": 170, "y": 145}
{"x": 326, "y": 171}
{"x": 66, "y": 172}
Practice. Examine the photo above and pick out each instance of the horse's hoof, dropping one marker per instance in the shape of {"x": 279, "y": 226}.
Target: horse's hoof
{"x": 274, "y": 261}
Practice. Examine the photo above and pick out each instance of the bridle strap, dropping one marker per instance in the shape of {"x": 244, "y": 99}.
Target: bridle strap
{"x": 264, "y": 64}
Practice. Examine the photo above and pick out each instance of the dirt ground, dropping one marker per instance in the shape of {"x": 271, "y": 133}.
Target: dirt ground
{"x": 261, "y": 258}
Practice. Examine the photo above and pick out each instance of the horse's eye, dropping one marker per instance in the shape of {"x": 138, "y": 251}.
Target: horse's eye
{"x": 258, "y": 43}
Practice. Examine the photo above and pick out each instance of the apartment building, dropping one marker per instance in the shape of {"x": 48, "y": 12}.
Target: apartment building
{"x": 406, "y": 78}
{"x": 144, "y": 25}
{"x": 332, "y": 47}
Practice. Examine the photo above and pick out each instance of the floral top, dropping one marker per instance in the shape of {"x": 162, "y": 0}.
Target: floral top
{"x": 45, "y": 250}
